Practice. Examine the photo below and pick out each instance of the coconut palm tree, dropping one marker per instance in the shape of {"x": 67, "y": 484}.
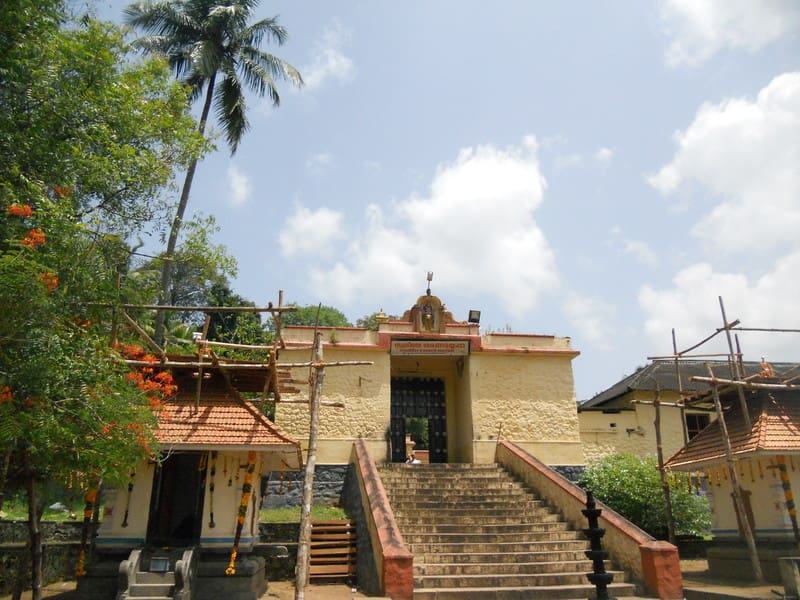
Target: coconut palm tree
{"x": 211, "y": 46}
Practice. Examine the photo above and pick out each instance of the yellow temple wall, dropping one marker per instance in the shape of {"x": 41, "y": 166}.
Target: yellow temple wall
{"x": 528, "y": 399}
{"x": 523, "y": 381}
{"x": 112, "y": 532}
{"x": 363, "y": 389}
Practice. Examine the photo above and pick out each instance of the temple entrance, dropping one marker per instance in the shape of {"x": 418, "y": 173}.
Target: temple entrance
{"x": 418, "y": 408}
{"x": 176, "y": 504}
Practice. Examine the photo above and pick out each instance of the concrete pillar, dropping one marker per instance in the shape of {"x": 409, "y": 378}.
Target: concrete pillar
{"x": 662, "y": 570}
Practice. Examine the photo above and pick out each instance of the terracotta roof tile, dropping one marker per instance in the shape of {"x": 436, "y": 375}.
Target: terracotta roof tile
{"x": 775, "y": 420}
{"x": 221, "y": 420}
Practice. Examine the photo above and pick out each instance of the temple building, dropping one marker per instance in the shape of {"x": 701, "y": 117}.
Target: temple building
{"x": 437, "y": 385}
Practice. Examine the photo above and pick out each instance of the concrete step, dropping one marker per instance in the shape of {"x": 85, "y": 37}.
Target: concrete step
{"x": 523, "y": 537}
{"x": 483, "y": 528}
{"x": 532, "y": 546}
{"x": 502, "y": 568}
{"x": 576, "y": 592}
{"x": 151, "y": 590}
{"x": 506, "y": 580}
{"x": 563, "y": 555}
{"x": 468, "y": 519}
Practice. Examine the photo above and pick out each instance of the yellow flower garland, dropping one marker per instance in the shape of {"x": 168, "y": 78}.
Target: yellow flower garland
{"x": 247, "y": 489}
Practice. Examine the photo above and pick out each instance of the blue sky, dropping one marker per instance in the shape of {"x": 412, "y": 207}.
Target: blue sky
{"x": 599, "y": 170}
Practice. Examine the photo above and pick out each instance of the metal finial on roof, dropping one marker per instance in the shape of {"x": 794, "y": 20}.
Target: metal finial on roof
{"x": 430, "y": 278}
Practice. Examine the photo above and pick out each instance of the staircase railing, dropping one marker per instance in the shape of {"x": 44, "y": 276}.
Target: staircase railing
{"x": 127, "y": 574}
{"x": 651, "y": 562}
{"x": 185, "y": 574}
{"x": 394, "y": 562}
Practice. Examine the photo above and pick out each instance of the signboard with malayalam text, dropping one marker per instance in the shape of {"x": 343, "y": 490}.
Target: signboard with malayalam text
{"x": 430, "y": 347}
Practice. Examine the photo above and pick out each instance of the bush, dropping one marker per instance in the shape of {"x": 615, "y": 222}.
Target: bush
{"x": 631, "y": 485}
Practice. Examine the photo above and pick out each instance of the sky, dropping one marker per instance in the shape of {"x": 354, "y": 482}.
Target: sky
{"x": 604, "y": 171}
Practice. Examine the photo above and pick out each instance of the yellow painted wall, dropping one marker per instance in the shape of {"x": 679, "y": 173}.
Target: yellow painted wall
{"x": 530, "y": 399}
{"x": 632, "y": 430}
{"x": 530, "y": 393}
{"x": 225, "y": 504}
{"x": 762, "y": 480}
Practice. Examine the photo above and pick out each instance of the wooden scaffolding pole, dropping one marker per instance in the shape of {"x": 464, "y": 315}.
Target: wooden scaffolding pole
{"x": 738, "y": 500}
{"x": 304, "y": 544}
{"x": 661, "y": 471}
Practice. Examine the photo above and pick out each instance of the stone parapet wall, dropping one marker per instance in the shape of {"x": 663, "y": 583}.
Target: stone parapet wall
{"x": 328, "y": 484}
{"x": 61, "y": 549}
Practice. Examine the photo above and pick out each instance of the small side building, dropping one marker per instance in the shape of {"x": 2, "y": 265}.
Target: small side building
{"x": 203, "y": 492}
{"x": 765, "y": 461}
{"x": 622, "y": 418}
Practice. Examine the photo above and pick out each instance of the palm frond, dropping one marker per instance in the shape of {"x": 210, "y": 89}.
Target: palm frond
{"x": 229, "y": 107}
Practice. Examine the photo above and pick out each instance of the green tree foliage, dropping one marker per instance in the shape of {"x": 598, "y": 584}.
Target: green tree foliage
{"x": 631, "y": 485}
{"x": 326, "y": 316}
{"x": 87, "y": 141}
{"x": 234, "y": 327}
{"x": 205, "y": 40}
{"x": 371, "y": 321}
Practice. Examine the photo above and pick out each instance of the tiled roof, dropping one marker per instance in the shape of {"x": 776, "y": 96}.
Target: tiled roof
{"x": 661, "y": 374}
{"x": 775, "y": 420}
{"x": 222, "y": 421}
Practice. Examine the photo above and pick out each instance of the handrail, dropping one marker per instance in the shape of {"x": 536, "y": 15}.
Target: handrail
{"x": 127, "y": 574}
{"x": 393, "y": 560}
{"x": 633, "y": 549}
{"x": 185, "y": 573}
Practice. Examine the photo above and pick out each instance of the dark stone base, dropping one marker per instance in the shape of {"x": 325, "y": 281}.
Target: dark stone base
{"x": 732, "y": 559}
{"x": 248, "y": 583}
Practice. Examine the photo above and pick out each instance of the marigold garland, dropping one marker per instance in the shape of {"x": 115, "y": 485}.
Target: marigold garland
{"x": 247, "y": 489}
{"x": 88, "y": 511}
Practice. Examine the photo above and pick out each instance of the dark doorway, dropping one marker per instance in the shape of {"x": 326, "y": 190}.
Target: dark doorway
{"x": 176, "y": 504}
{"x": 416, "y": 402}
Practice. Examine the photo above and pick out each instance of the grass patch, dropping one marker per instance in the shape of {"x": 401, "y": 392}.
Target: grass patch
{"x": 292, "y": 515}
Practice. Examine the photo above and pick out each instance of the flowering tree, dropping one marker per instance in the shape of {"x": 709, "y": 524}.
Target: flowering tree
{"x": 88, "y": 142}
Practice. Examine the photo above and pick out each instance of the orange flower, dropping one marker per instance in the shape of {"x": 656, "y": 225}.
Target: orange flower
{"x": 62, "y": 191}
{"x": 34, "y": 238}
{"x": 6, "y": 395}
{"x": 50, "y": 280}
{"x": 20, "y": 210}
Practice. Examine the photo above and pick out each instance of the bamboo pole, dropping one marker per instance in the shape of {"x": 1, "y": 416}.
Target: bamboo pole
{"x": 737, "y": 491}
{"x": 661, "y": 471}
{"x": 304, "y": 543}
{"x": 734, "y": 364}
{"x": 680, "y": 388}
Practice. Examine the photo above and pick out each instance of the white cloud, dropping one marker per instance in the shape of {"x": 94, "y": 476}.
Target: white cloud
{"x": 692, "y": 307}
{"x": 593, "y": 318}
{"x": 700, "y": 28}
{"x": 311, "y": 233}
{"x": 639, "y": 249}
{"x": 743, "y": 154}
{"x": 567, "y": 161}
{"x": 746, "y": 154}
{"x": 317, "y": 163}
{"x": 475, "y": 229}
{"x": 329, "y": 62}
{"x": 603, "y": 156}
{"x": 238, "y": 186}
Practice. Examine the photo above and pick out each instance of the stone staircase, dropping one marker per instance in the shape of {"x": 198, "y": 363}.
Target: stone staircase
{"x": 148, "y": 576}
{"x": 477, "y": 533}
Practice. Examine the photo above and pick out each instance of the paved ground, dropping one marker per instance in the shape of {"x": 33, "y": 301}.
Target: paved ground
{"x": 696, "y": 582}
